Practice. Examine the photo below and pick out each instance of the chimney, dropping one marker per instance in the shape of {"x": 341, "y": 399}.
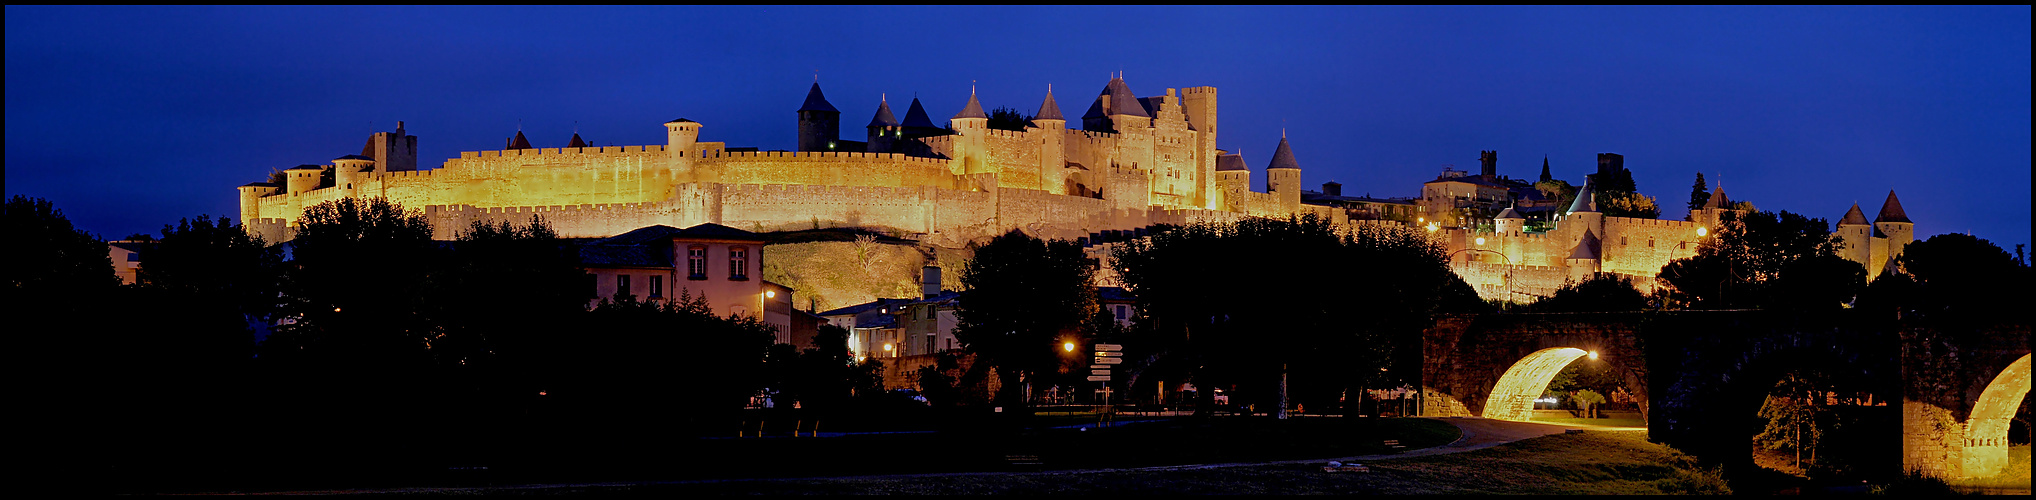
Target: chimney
{"x": 1331, "y": 188}
{"x": 929, "y": 281}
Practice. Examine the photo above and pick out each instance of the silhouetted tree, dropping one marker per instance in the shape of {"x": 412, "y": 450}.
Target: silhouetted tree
{"x": 1603, "y": 292}
{"x": 1021, "y": 298}
{"x": 1955, "y": 277}
{"x": 1699, "y": 193}
{"x": 218, "y": 261}
{"x": 1754, "y": 257}
{"x": 1004, "y": 118}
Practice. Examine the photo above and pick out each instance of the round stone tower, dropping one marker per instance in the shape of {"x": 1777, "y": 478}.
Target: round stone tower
{"x": 680, "y": 137}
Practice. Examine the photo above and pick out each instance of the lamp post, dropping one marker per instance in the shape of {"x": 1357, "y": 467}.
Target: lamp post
{"x": 1502, "y": 255}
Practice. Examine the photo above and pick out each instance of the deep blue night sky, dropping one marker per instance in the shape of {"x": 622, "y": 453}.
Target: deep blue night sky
{"x": 130, "y": 118}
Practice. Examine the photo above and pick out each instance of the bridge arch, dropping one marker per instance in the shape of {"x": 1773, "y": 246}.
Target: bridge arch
{"x": 1986, "y": 431}
{"x": 1513, "y": 395}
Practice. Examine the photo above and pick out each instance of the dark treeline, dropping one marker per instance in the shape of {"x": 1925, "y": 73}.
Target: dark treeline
{"x": 384, "y": 351}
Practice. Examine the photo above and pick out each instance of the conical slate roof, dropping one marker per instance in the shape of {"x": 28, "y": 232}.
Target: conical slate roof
{"x": 1584, "y": 199}
{"x": 1283, "y": 157}
{"x": 817, "y": 102}
{"x": 974, "y": 109}
{"x": 576, "y": 142}
{"x": 1891, "y": 211}
{"x": 1586, "y": 247}
{"x": 884, "y": 117}
{"x": 1122, "y": 101}
{"x": 1718, "y": 199}
{"x": 1853, "y": 216}
{"x": 519, "y": 142}
{"x": 1509, "y": 214}
{"x": 1230, "y": 162}
{"x": 915, "y": 116}
{"x": 1049, "y": 110}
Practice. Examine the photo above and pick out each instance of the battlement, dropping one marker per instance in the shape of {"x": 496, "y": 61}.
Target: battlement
{"x": 407, "y": 174}
{"x": 1006, "y": 134}
{"x": 822, "y": 156}
{"x": 1096, "y": 137}
{"x": 472, "y": 155}
{"x": 1198, "y": 90}
{"x": 1632, "y": 221}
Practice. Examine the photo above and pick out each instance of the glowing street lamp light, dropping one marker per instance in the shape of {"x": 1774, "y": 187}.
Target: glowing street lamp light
{"x": 1593, "y": 355}
{"x": 1701, "y": 231}
{"x": 1067, "y": 346}
{"x": 1481, "y": 240}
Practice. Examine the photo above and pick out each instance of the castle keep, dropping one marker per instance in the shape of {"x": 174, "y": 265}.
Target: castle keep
{"x": 1135, "y": 161}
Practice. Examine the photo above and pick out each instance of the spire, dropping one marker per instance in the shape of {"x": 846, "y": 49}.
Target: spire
{"x": 1049, "y": 110}
{"x": 577, "y": 142}
{"x": 519, "y": 142}
{"x": 1853, "y": 217}
{"x": 1584, "y": 201}
{"x": 915, "y": 116}
{"x": 817, "y": 102}
{"x": 884, "y": 117}
{"x": 1891, "y": 211}
{"x": 1544, "y": 169}
{"x": 1284, "y": 156}
{"x": 1122, "y": 101}
{"x": 1586, "y": 247}
{"x": 974, "y": 109}
{"x": 1718, "y": 199}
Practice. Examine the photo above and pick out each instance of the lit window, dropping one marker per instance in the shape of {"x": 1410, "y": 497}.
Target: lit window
{"x": 696, "y": 262}
{"x": 738, "y": 263}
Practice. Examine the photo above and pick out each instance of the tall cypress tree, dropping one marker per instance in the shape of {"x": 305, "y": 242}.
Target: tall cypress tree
{"x": 1699, "y": 193}
{"x": 1544, "y": 170}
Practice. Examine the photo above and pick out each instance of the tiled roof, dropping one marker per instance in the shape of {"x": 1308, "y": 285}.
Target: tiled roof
{"x": 1586, "y": 247}
{"x": 1509, "y": 214}
{"x": 884, "y": 117}
{"x": 1049, "y": 110}
{"x": 1283, "y": 157}
{"x": 518, "y": 142}
{"x": 974, "y": 109}
{"x": 651, "y": 246}
{"x": 1853, "y": 216}
{"x": 1122, "y": 101}
{"x": 1230, "y": 162}
{"x": 576, "y": 142}
{"x": 1584, "y": 199}
{"x": 1891, "y": 211}
{"x": 915, "y": 116}
{"x": 305, "y": 167}
{"x": 1717, "y": 199}
{"x": 817, "y": 102}
{"x": 682, "y": 120}
{"x": 353, "y": 157}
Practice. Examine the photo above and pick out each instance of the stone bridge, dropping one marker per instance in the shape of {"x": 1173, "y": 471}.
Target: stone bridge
{"x": 1703, "y": 375}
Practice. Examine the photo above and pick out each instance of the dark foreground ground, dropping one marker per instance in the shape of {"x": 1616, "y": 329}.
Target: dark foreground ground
{"x": 1244, "y": 456}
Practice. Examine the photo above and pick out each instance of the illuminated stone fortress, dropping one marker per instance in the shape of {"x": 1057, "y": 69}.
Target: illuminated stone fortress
{"x": 1134, "y": 162}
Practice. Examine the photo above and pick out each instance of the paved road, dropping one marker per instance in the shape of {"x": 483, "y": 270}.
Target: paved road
{"x": 1478, "y": 433}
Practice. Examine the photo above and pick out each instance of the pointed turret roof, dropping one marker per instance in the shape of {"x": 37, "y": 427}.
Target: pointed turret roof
{"x": 1891, "y": 211}
{"x": 884, "y": 117}
{"x": 1049, "y": 110}
{"x": 1586, "y": 247}
{"x": 1718, "y": 199}
{"x": 817, "y": 102}
{"x": 1122, "y": 101}
{"x": 1853, "y": 217}
{"x": 576, "y": 142}
{"x": 915, "y": 116}
{"x": 1584, "y": 198}
{"x": 974, "y": 109}
{"x": 519, "y": 142}
{"x": 1283, "y": 157}
{"x": 1544, "y": 170}
{"x": 1231, "y": 162}
{"x": 1509, "y": 214}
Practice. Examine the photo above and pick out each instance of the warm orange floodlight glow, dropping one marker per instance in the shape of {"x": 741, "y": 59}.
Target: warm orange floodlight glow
{"x": 770, "y": 294}
{"x": 1513, "y": 397}
{"x": 1701, "y": 231}
{"x": 1481, "y": 240}
{"x": 1067, "y": 346}
{"x": 887, "y": 347}
{"x": 1432, "y": 227}
{"x": 1986, "y": 433}
{"x": 1594, "y": 355}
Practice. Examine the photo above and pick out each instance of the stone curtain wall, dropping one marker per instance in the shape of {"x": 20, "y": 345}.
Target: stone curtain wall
{"x": 1626, "y": 249}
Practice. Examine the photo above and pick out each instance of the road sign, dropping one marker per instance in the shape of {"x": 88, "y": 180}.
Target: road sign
{"x": 1099, "y": 378}
{"x": 1109, "y": 361}
{"x": 1099, "y": 366}
{"x": 1101, "y": 353}
{"x": 1109, "y": 347}
{"x": 1104, "y": 372}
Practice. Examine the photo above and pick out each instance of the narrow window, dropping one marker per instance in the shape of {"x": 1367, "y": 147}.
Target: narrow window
{"x": 1650, "y": 243}
{"x": 1622, "y": 241}
{"x": 657, "y": 286}
{"x": 1120, "y": 313}
{"x": 696, "y": 262}
{"x": 621, "y": 285}
{"x": 738, "y": 263}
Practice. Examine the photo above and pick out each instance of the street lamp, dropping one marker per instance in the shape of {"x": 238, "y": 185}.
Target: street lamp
{"x": 1701, "y": 231}
{"x": 1067, "y": 346}
{"x": 1593, "y": 355}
